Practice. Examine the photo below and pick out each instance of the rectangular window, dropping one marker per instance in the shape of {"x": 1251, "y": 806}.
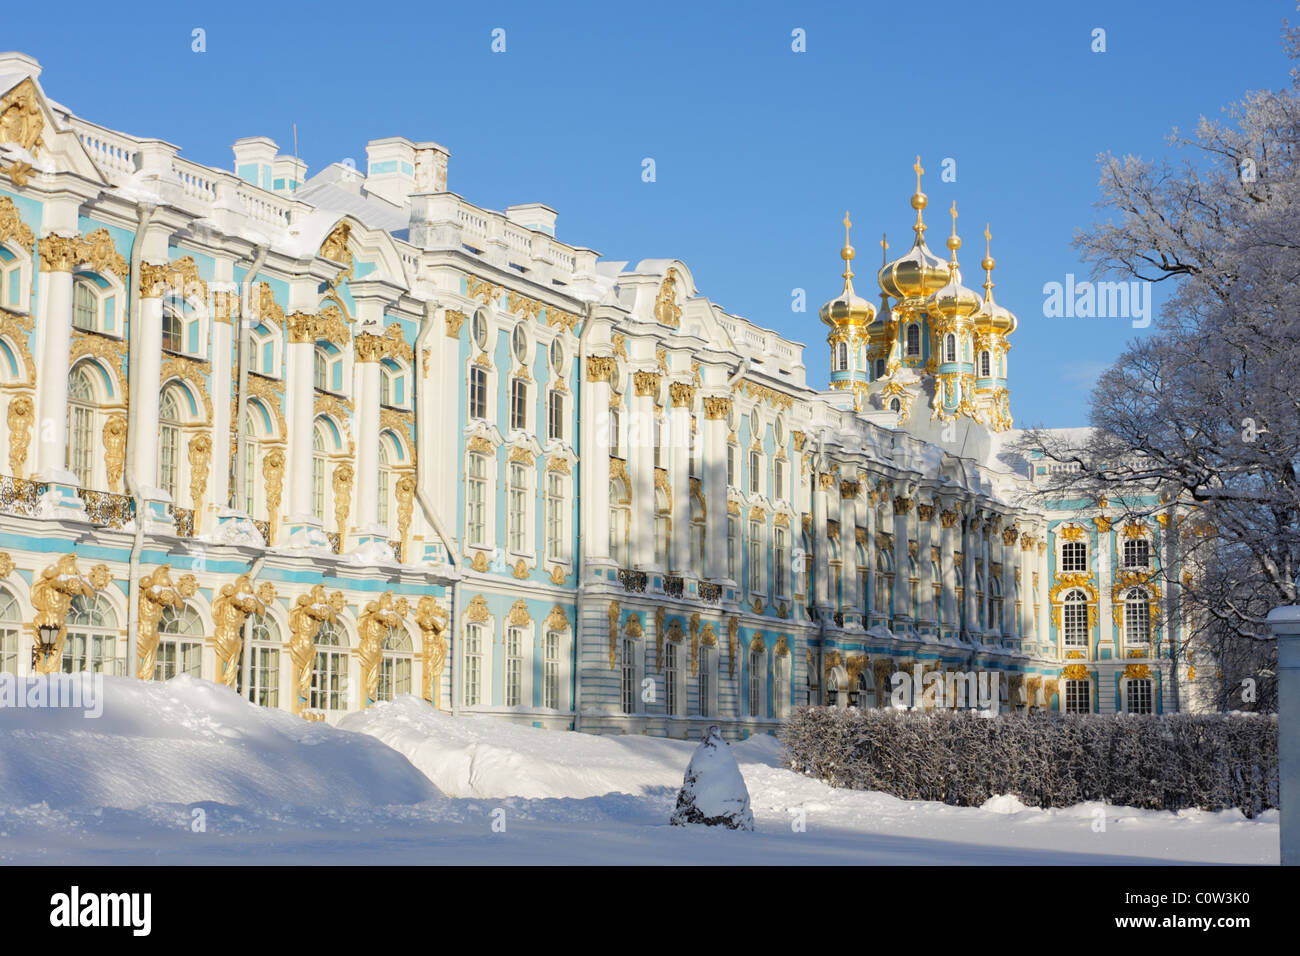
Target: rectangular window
{"x": 670, "y": 677}
{"x": 706, "y": 681}
{"x": 554, "y": 518}
{"x": 477, "y": 393}
{"x": 555, "y": 417}
{"x": 778, "y": 481}
{"x": 551, "y": 671}
{"x": 755, "y": 557}
{"x": 518, "y": 405}
{"x": 1074, "y": 616}
{"x": 1078, "y": 697}
{"x": 473, "y": 664}
{"x": 694, "y": 454}
{"x": 733, "y": 545}
{"x": 329, "y": 681}
{"x": 514, "y": 666}
{"x": 755, "y": 684}
{"x": 476, "y": 500}
{"x": 615, "y": 433}
{"x": 1074, "y": 556}
{"x": 1137, "y": 553}
{"x": 80, "y": 431}
{"x": 518, "y": 508}
{"x": 780, "y": 562}
{"x": 1137, "y": 622}
{"x": 629, "y": 676}
{"x": 1138, "y": 698}
{"x": 731, "y": 466}
{"x": 657, "y": 432}
{"x": 753, "y": 472}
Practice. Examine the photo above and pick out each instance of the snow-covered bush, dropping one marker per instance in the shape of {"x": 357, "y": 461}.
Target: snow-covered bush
{"x": 713, "y": 791}
{"x": 1210, "y": 761}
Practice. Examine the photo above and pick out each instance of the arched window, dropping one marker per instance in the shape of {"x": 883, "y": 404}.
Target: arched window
{"x": 476, "y": 500}
{"x": 995, "y": 604}
{"x": 950, "y": 348}
{"x": 329, "y": 675}
{"x": 169, "y": 439}
{"x": 473, "y": 680}
{"x": 392, "y": 384}
{"x": 327, "y": 368}
{"x": 92, "y": 642}
{"x": 913, "y": 340}
{"x": 672, "y": 678}
{"x": 248, "y": 437}
{"x": 516, "y": 647}
{"x": 552, "y": 649}
{"x": 757, "y": 671}
{"x": 81, "y": 425}
{"x": 781, "y": 685}
{"x": 11, "y": 622}
{"x": 1074, "y": 619}
{"x": 619, "y": 507}
{"x": 884, "y": 583}
{"x": 318, "y": 446}
{"x": 984, "y": 365}
{"x": 259, "y": 676}
{"x": 880, "y": 368}
{"x": 842, "y": 357}
{"x": 895, "y": 406}
{"x": 265, "y": 359}
{"x": 628, "y": 685}
{"x": 14, "y": 283}
{"x": 180, "y": 644}
{"x": 707, "y": 682}
{"x": 396, "y": 664}
{"x": 1137, "y": 618}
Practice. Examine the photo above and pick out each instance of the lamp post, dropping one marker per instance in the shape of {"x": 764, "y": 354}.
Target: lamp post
{"x": 1284, "y": 622}
{"x": 47, "y": 636}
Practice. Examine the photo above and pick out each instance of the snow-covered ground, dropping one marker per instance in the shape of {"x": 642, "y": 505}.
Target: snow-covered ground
{"x": 402, "y": 783}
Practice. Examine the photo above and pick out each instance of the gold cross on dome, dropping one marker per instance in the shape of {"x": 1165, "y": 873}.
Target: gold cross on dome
{"x": 847, "y": 224}
{"x": 953, "y": 213}
{"x": 884, "y": 244}
{"x": 919, "y": 172}
{"x": 988, "y": 237}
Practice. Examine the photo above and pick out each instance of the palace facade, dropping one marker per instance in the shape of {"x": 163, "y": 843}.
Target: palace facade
{"x": 327, "y": 439}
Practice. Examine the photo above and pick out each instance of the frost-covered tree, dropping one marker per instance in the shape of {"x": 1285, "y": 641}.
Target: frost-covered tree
{"x": 1206, "y": 409}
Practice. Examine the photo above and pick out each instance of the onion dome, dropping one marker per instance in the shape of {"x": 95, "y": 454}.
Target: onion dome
{"x": 848, "y": 309}
{"x": 954, "y": 300}
{"x": 992, "y": 317}
{"x": 918, "y": 272}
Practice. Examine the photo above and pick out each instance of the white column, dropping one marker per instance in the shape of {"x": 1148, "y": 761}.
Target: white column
{"x": 300, "y": 415}
{"x": 1044, "y": 593}
{"x": 1010, "y": 552}
{"x": 595, "y": 425}
{"x": 973, "y": 551}
{"x": 715, "y": 484}
{"x": 902, "y": 575}
{"x": 849, "y": 549}
{"x": 870, "y": 549}
{"x": 641, "y": 464}
{"x": 1105, "y": 613}
{"x": 821, "y": 550}
{"x": 948, "y": 566}
{"x": 147, "y": 359}
{"x": 365, "y": 514}
{"x": 682, "y": 397}
{"x": 925, "y": 570}
{"x": 58, "y": 256}
{"x": 224, "y": 305}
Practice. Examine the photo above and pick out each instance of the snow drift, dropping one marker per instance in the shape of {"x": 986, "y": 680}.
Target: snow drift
{"x": 188, "y": 741}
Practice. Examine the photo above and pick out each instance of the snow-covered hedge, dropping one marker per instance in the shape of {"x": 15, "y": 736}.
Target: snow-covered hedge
{"x": 1210, "y": 761}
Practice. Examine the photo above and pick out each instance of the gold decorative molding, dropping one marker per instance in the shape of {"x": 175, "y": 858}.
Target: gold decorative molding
{"x": 97, "y": 251}
{"x": 341, "y": 482}
{"x": 453, "y": 319}
{"x": 180, "y": 277}
{"x": 477, "y": 612}
{"x": 21, "y": 118}
{"x": 306, "y": 616}
{"x": 51, "y": 594}
{"x": 599, "y": 368}
{"x": 681, "y": 394}
{"x": 273, "y": 483}
{"x": 556, "y": 317}
{"x": 1103, "y": 524}
{"x": 200, "y": 454}
{"x": 20, "y": 416}
{"x": 558, "y": 575}
{"x": 433, "y": 621}
{"x": 765, "y": 394}
{"x": 232, "y": 605}
{"x": 646, "y": 383}
{"x": 716, "y": 408}
{"x": 1137, "y": 672}
{"x": 59, "y": 253}
{"x": 192, "y": 372}
{"x": 12, "y": 227}
{"x": 666, "y": 310}
{"x": 733, "y": 642}
{"x": 520, "y": 570}
{"x": 335, "y": 249}
{"x": 6, "y": 564}
{"x": 157, "y": 593}
{"x": 372, "y": 628}
{"x": 614, "y": 613}
{"x": 482, "y": 290}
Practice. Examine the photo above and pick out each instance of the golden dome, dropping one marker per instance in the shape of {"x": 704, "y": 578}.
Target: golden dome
{"x": 954, "y": 300}
{"x": 992, "y": 317}
{"x": 918, "y": 272}
{"x": 848, "y": 308}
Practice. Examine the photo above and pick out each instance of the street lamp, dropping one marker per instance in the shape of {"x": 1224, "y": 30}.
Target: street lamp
{"x": 47, "y": 636}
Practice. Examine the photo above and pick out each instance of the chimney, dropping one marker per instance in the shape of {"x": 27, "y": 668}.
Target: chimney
{"x": 254, "y": 159}
{"x": 287, "y": 174}
{"x": 533, "y": 215}
{"x": 390, "y": 168}
{"x": 430, "y": 168}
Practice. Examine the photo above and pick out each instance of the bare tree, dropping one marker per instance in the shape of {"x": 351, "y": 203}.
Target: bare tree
{"x": 1205, "y": 411}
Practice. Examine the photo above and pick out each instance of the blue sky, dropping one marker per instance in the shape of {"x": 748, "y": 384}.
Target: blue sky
{"x": 758, "y": 149}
